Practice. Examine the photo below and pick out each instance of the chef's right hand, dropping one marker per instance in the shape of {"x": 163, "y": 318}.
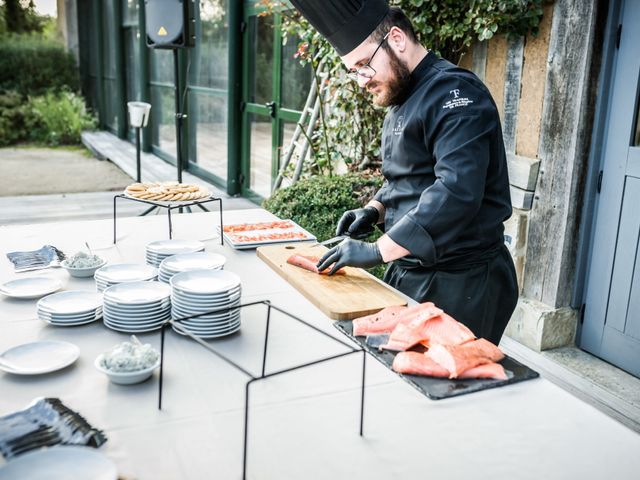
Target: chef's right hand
{"x": 358, "y": 223}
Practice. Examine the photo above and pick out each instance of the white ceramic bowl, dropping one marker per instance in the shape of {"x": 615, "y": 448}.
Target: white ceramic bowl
{"x": 82, "y": 272}
{"x": 126, "y": 378}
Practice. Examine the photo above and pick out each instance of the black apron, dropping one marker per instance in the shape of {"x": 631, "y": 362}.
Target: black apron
{"x": 481, "y": 294}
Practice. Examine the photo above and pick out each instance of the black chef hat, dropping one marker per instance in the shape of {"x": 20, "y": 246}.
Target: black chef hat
{"x": 344, "y": 23}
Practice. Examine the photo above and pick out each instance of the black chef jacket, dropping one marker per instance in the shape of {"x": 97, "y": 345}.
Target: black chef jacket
{"x": 446, "y": 195}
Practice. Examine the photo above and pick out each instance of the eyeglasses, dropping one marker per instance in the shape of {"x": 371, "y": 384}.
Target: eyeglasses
{"x": 366, "y": 71}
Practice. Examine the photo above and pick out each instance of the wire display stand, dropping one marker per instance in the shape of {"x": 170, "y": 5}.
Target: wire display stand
{"x": 169, "y": 207}
{"x": 176, "y": 323}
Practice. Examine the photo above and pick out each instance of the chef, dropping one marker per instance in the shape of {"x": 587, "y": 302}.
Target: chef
{"x": 446, "y": 190}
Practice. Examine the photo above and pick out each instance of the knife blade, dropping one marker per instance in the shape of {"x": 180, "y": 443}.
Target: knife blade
{"x": 339, "y": 238}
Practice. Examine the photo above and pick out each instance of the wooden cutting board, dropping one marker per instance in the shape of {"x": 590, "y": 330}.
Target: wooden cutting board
{"x": 341, "y": 297}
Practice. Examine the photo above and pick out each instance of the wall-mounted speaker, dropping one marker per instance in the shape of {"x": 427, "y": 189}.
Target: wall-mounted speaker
{"x": 170, "y": 23}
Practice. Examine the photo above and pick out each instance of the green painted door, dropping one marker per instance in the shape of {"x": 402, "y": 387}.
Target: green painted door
{"x": 275, "y": 88}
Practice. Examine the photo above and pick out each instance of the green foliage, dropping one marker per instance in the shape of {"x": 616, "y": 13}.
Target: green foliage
{"x": 448, "y": 26}
{"x": 59, "y": 118}
{"x": 31, "y": 65}
{"x": 352, "y": 126}
{"x": 20, "y": 16}
{"x": 317, "y": 203}
{"x": 14, "y": 118}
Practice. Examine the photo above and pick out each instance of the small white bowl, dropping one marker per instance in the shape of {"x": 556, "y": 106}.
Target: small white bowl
{"x": 126, "y": 378}
{"x": 82, "y": 272}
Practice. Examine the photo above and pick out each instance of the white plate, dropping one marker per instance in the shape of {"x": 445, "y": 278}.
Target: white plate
{"x": 39, "y": 357}
{"x": 69, "y": 316}
{"x": 211, "y": 325}
{"x": 203, "y": 307}
{"x": 174, "y": 247}
{"x": 119, "y": 324}
{"x": 136, "y": 314}
{"x": 209, "y": 282}
{"x": 126, "y": 272}
{"x": 208, "y": 335}
{"x": 139, "y": 306}
{"x": 137, "y": 293}
{"x": 178, "y": 292}
{"x": 74, "y": 301}
{"x": 29, "y": 288}
{"x": 195, "y": 311}
{"x": 131, "y": 329}
{"x": 212, "y": 331}
{"x": 75, "y": 323}
{"x": 49, "y": 318}
{"x": 60, "y": 462}
{"x": 126, "y": 319}
{"x": 204, "y": 322}
{"x": 192, "y": 261}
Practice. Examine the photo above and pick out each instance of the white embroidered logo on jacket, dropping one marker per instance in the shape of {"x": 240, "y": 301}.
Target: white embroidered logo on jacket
{"x": 399, "y": 126}
{"x": 456, "y": 101}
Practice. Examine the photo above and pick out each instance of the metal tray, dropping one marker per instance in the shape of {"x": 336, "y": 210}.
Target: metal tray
{"x": 295, "y": 228}
{"x": 438, "y": 388}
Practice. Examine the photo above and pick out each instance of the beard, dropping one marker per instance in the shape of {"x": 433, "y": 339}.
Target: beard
{"x": 394, "y": 90}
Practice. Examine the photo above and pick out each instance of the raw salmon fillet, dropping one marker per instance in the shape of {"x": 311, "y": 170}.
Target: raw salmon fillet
{"x": 488, "y": 370}
{"x": 415, "y": 363}
{"x": 436, "y": 329}
{"x": 458, "y": 358}
{"x": 386, "y": 319}
{"x": 309, "y": 263}
{"x": 380, "y": 322}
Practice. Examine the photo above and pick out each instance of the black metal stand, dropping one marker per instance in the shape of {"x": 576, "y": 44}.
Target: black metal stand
{"x": 179, "y": 114}
{"x": 169, "y": 207}
{"x": 263, "y": 375}
{"x": 138, "y": 173}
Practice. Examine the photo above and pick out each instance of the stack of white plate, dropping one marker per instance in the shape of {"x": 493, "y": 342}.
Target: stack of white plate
{"x": 123, "y": 272}
{"x": 185, "y": 262}
{"x": 66, "y": 309}
{"x": 161, "y": 249}
{"x": 137, "y": 307}
{"x": 201, "y": 291}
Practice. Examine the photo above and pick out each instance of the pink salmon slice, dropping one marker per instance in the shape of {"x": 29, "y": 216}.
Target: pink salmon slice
{"x": 388, "y": 318}
{"x": 458, "y": 358}
{"x": 440, "y": 329}
{"x": 415, "y": 363}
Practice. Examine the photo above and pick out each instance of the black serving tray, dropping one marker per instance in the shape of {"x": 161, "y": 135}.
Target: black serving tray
{"x": 438, "y": 388}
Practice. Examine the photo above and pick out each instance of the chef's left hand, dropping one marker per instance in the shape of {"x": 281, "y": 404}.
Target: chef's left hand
{"x": 352, "y": 253}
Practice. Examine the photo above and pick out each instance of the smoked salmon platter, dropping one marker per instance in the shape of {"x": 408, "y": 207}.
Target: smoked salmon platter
{"x": 251, "y": 235}
{"x": 439, "y": 388}
{"x": 349, "y": 294}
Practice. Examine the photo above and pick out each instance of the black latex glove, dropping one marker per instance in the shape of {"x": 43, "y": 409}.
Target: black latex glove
{"x": 358, "y": 222}
{"x": 353, "y": 253}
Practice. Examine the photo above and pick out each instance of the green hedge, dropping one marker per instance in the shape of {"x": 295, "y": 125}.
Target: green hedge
{"x": 14, "y": 119}
{"x": 317, "y": 203}
{"x": 50, "y": 119}
{"x": 31, "y": 65}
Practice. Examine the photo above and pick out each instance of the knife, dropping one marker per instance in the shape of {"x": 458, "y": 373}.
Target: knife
{"x": 339, "y": 238}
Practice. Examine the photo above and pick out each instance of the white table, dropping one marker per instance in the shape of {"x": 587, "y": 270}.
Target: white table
{"x": 303, "y": 424}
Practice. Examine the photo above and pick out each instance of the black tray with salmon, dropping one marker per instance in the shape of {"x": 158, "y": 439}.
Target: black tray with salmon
{"x": 433, "y": 352}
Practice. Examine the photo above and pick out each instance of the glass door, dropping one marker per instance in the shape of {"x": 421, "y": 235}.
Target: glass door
{"x": 275, "y": 88}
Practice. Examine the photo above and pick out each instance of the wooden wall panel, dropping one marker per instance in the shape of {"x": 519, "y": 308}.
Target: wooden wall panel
{"x": 532, "y": 93}
{"x": 495, "y": 70}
